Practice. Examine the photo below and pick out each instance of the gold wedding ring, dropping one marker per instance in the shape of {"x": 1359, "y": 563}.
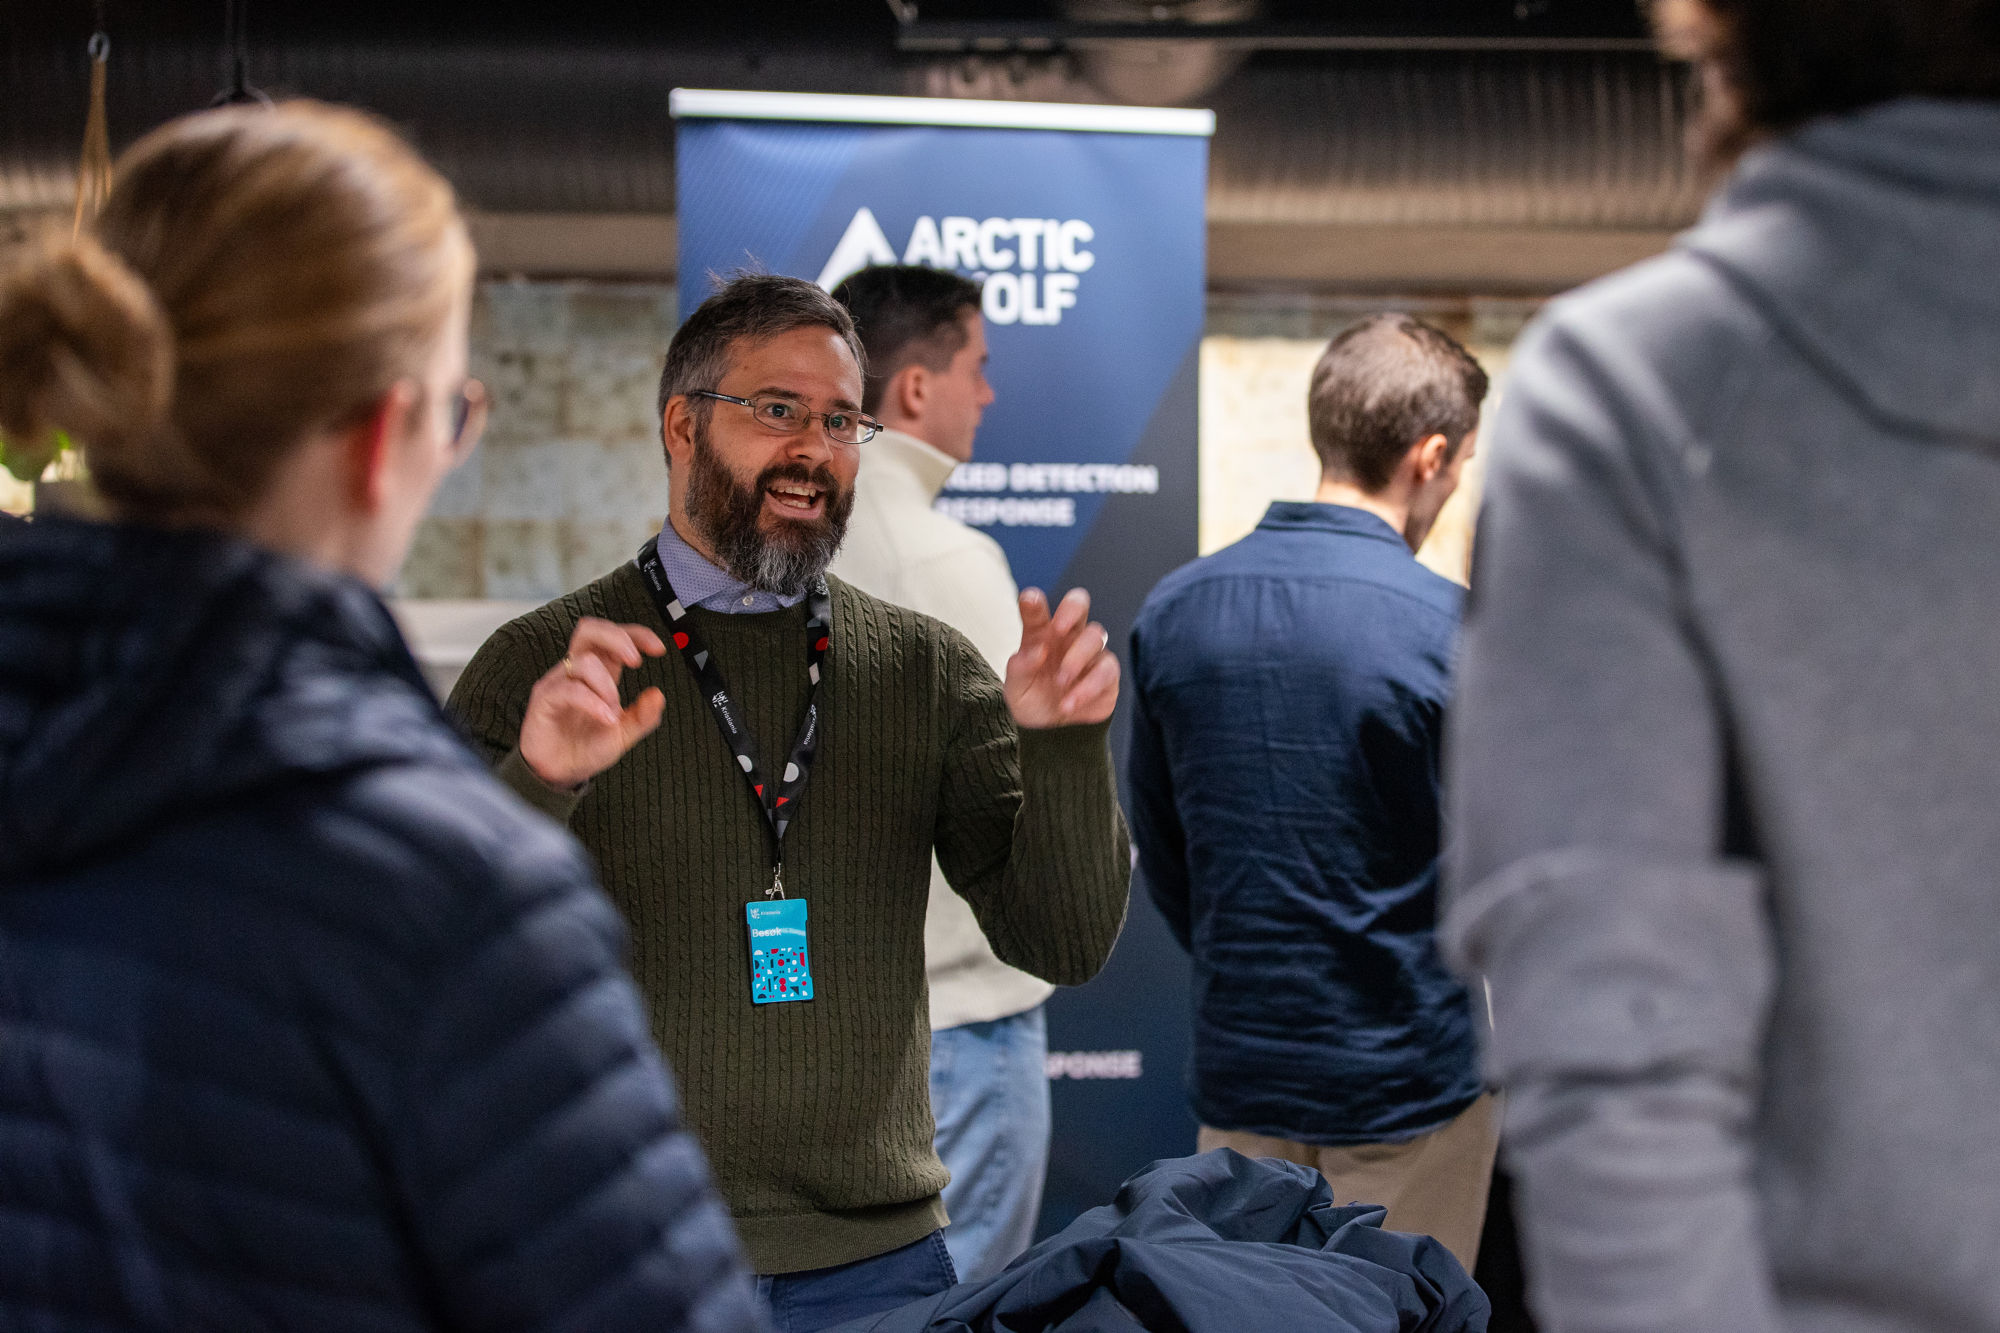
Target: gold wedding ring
{"x": 569, "y": 667}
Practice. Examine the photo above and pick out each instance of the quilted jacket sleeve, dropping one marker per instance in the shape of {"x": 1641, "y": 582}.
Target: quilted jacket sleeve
{"x": 548, "y": 1176}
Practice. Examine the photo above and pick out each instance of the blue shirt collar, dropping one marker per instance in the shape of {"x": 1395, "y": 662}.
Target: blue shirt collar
{"x": 1294, "y": 515}
{"x": 698, "y": 581}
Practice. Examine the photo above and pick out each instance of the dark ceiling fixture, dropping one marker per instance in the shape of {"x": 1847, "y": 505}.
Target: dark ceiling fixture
{"x": 236, "y": 49}
{"x": 1469, "y": 25}
{"x": 1146, "y": 70}
{"x": 1007, "y": 36}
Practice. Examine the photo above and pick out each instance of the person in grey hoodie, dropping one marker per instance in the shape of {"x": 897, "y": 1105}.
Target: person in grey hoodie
{"x": 1725, "y": 768}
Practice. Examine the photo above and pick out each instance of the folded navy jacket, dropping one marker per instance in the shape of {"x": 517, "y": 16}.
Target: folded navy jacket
{"x": 1218, "y": 1243}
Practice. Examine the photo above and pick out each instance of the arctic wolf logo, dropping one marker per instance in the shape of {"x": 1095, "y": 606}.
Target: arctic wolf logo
{"x": 1004, "y": 254}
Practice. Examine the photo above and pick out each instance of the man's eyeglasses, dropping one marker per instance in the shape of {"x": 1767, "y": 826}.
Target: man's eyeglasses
{"x": 787, "y": 417}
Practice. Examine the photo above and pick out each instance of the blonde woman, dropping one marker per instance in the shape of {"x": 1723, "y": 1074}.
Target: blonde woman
{"x": 304, "y": 1022}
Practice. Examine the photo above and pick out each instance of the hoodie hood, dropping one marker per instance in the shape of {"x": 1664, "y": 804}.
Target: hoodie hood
{"x": 1872, "y": 240}
{"x": 147, "y": 676}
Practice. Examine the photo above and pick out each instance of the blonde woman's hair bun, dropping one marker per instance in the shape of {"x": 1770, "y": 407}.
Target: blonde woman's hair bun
{"x": 84, "y": 349}
{"x": 256, "y": 276}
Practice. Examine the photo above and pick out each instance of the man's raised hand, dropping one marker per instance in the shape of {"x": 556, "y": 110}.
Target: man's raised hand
{"x": 575, "y": 728}
{"x": 1064, "y": 674}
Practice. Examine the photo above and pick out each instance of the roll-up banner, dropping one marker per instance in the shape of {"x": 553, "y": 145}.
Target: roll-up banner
{"x": 1084, "y": 226}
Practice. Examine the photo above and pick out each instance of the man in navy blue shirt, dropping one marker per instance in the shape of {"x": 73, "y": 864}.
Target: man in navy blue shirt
{"x": 1284, "y": 799}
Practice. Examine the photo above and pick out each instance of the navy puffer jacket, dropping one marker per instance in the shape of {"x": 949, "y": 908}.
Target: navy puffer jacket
{"x": 305, "y": 1023}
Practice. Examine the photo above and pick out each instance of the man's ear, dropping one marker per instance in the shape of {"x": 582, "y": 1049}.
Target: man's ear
{"x": 677, "y": 428}
{"x": 909, "y": 393}
{"x": 1432, "y": 453}
{"x": 369, "y": 446}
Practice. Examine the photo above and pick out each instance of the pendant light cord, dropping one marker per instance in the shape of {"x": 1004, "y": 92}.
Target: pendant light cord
{"x": 93, "y": 170}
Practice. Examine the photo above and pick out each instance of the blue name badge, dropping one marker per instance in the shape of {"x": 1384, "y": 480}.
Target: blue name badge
{"x": 780, "y": 967}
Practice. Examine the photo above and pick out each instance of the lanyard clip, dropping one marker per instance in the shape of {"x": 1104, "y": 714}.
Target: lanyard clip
{"x": 777, "y": 889}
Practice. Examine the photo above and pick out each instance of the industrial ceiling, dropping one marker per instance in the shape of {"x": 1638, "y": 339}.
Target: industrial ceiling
{"x": 1493, "y": 145}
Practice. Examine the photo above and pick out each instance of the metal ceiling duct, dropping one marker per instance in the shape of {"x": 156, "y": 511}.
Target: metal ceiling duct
{"x": 1457, "y": 139}
{"x": 1419, "y": 139}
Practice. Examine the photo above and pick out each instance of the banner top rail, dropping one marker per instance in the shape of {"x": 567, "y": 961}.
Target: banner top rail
{"x": 723, "y": 104}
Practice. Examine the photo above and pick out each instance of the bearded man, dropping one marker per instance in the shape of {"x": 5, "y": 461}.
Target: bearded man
{"x": 763, "y": 799}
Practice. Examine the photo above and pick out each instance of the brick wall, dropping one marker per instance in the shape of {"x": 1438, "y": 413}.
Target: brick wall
{"x": 570, "y": 479}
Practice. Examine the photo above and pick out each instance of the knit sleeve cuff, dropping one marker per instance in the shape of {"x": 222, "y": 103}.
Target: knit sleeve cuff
{"x": 558, "y": 803}
{"x": 1079, "y": 747}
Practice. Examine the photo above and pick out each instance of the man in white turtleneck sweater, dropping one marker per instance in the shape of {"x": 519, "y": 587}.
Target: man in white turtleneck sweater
{"x": 926, "y": 383}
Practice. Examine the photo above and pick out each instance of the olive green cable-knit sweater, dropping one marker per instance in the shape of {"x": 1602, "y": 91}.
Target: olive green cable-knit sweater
{"x": 816, "y": 1115}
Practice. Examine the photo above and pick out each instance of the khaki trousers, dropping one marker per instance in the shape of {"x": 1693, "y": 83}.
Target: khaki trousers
{"x": 1434, "y": 1184}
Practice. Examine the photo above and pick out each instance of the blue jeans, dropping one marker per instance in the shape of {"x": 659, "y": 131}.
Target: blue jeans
{"x": 990, "y": 1094}
{"x": 822, "y": 1297}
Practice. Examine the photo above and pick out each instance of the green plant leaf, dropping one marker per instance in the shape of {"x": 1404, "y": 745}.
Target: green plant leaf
{"x": 27, "y": 463}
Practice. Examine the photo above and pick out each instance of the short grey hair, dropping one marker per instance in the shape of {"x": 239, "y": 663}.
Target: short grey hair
{"x": 754, "y": 306}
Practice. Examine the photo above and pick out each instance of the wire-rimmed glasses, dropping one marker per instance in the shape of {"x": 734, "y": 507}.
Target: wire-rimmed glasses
{"x": 787, "y": 416}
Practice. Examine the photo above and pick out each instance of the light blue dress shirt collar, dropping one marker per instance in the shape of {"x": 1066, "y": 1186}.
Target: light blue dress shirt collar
{"x": 700, "y": 582}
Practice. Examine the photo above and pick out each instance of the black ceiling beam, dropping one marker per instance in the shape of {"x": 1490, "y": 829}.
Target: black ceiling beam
{"x": 1006, "y": 36}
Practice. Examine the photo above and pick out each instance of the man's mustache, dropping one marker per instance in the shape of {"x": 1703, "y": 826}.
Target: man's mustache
{"x": 821, "y": 476}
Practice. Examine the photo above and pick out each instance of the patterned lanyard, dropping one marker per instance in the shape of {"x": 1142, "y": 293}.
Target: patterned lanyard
{"x": 772, "y": 798}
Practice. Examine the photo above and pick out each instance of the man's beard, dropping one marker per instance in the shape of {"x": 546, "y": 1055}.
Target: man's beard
{"x": 729, "y": 517}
